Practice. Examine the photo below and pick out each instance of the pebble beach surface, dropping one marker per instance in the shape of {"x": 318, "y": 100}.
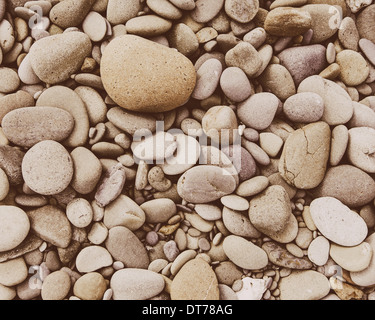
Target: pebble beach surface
{"x": 187, "y": 150}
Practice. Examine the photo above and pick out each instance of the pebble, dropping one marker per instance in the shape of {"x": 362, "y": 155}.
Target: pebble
{"x": 208, "y": 76}
{"x": 7, "y": 36}
{"x": 348, "y": 34}
{"x": 9, "y": 80}
{"x": 95, "y": 26}
{"x": 353, "y": 259}
{"x": 91, "y": 286}
{"x": 205, "y": 183}
{"x": 258, "y": 110}
{"x": 252, "y": 186}
{"x": 51, "y": 224}
{"x": 195, "y": 281}
{"x": 66, "y": 99}
{"x": 270, "y": 143}
{"x": 79, "y": 212}
{"x": 244, "y": 253}
{"x": 283, "y": 258}
{"x": 219, "y": 123}
{"x": 65, "y": 56}
{"x": 159, "y": 210}
{"x": 278, "y": 80}
{"x": 238, "y": 224}
{"x": 198, "y": 222}
{"x": 87, "y": 170}
{"x": 14, "y": 101}
{"x": 183, "y": 38}
{"x": 92, "y": 258}
{"x": 47, "y": 167}
{"x": 305, "y": 155}
{"x": 136, "y": 284}
{"x": 26, "y": 72}
{"x": 368, "y": 48}
{"x": 235, "y": 84}
{"x": 56, "y": 286}
{"x": 119, "y": 12}
{"x": 165, "y": 9}
{"x": 148, "y": 25}
{"x": 206, "y": 10}
{"x": 252, "y": 289}
{"x": 360, "y": 148}
{"x": 27, "y": 126}
{"x": 366, "y": 277}
{"x": 353, "y": 67}
{"x": 235, "y": 202}
{"x": 365, "y": 27}
{"x": 124, "y": 211}
{"x": 318, "y": 251}
{"x": 4, "y": 185}
{"x": 162, "y": 61}
{"x": 15, "y": 227}
{"x": 124, "y": 246}
{"x": 208, "y": 212}
{"x": 343, "y": 182}
{"x": 303, "y": 61}
{"x": 245, "y": 57}
{"x": 264, "y": 218}
{"x": 11, "y": 162}
{"x": 287, "y": 22}
{"x": 242, "y": 11}
{"x": 13, "y": 272}
{"x": 339, "y": 142}
{"x": 363, "y": 116}
{"x": 337, "y": 222}
{"x": 304, "y": 285}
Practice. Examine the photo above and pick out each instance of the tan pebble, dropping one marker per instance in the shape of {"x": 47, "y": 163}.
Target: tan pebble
{"x": 286, "y": 22}
{"x": 7, "y": 36}
{"x": 9, "y": 80}
{"x": 348, "y": 34}
{"x": 183, "y": 39}
{"x": 353, "y": 67}
{"x": 345, "y": 291}
{"x": 360, "y": 148}
{"x": 294, "y": 249}
{"x": 91, "y": 286}
{"x": 120, "y": 12}
{"x": 252, "y": 186}
{"x": 205, "y": 11}
{"x": 94, "y": 26}
{"x": 92, "y": 258}
{"x": 70, "y": 13}
{"x": 79, "y": 212}
{"x": 165, "y": 9}
{"x": 353, "y": 259}
{"x": 56, "y": 286}
{"x": 167, "y": 100}
{"x": 270, "y": 143}
{"x": 148, "y": 25}
{"x": 330, "y": 53}
{"x": 366, "y": 29}
{"x": 331, "y": 72}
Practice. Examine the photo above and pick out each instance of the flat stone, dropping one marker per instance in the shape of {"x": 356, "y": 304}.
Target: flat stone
{"x": 287, "y": 22}
{"x": 206, "y": 10}
{"x": 195, "y": 281}
{"x": 70, "y": 13}
{"x": 65, "y": 55}
{"x": 124, "y": 246}
{"x": 278, "y": 80}
{"x": 304, "y": 285}
{"x": 305, "y": 155}
{"x": 365, "y": 23}
{"x": 303, "y": 61}
{"x": 173, "y": 91}
{"x": 242, "y": 11}
{"x": 238, "y": 224}
{"x": 363, "y": 116}
{"x": 124, "y": 211}
{"x": 337, "y": 222}
{"x": 92, "y": 258}
{"x": 183, "y": 38}
{"x": 245, "y": 57}
{"x": 278, "y": 222}
{"x": 353, "y": 259}
{"x": 283, "y": 258}
{"x": 227, "y": 273}
{"x": 235, "y": 84}
{"x": 318, "y": 251}
{"x": 252, "y": 289}
{"x": 348, "y": 34}
{"x": 208, "y": 212}
{"x": 244, "y": 253}
{"x": 258, "y": 110}
{"x": 165, "y": 9}
{"x": 91, "y": 286}
{"x": 339, "y": 143}
{"x": 119, "y": 12}
{"x": 12, "y": 101}
{"x": 252, "y": 186}
{"x": 368, "y": 48}
{"x": 9, "y": 80}
{"x": 149, "y": 25}
{"x": 14, "y": 228}
{"x": 136, "y": 284}
{"x": 360, "y": 149}
{"x": 51, "y": 224}
{"x": 205, "y": 183}
{"x": 13, "y": 272}
{"x": 208, "y": 76}
{"x": 28, "y": 126}
{"x": 47, "y": 167}
{"x": 353, "y": 67}
{"x": 159, "y": 210}
{"x": 56, "y": 286}
{"x": 349, "y": 184}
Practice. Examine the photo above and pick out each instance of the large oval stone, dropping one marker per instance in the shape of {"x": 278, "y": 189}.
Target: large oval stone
{"x": 205, "y": 183}
{"x": 160, "y": 79}
{"x": 28, "y": 126}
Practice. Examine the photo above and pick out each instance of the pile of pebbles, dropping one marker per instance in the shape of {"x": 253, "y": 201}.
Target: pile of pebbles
{"x": 181, "y": 149}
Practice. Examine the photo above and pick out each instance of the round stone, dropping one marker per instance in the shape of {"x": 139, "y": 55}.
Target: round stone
{"x": 14, "y": 227}
{"x": 305, "y": 107}
{"x": 242, "y": 11}
{"x": 56, "y": 286}
{"x": 235, "y": 84}
{"x": 353, "y": 259}
{"x": 47, "y": 167}
{"x": 79, "y": 212}
{"x": 318, "y": 251}
{"x": 353, "y": 67}
{"x": 360, "y": 149}
{"x": 90, "y": 286}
